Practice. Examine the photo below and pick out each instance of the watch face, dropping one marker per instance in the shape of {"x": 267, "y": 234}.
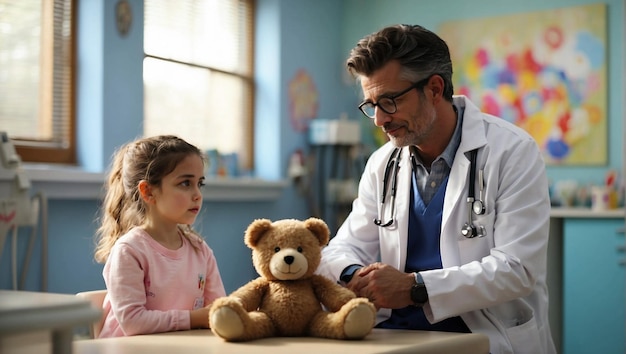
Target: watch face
{"x": 418, "y": 294}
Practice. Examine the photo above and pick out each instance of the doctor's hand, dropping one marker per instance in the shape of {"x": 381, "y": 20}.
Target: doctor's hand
{"x": 383, "y": 285}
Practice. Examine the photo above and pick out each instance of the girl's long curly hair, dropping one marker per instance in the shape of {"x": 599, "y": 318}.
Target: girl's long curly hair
{"x": 148, "y": 159}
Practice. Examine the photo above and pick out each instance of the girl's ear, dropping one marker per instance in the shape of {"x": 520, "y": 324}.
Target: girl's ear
{"x": 146, "y": 191}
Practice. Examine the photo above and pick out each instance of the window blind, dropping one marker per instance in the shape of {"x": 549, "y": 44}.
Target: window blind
{"x": 198, "y": 73}
{"x": 36, "y": 78}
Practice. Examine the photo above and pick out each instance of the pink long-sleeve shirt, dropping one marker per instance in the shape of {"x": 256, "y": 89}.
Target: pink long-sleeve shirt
{"x": 151, "y": 289}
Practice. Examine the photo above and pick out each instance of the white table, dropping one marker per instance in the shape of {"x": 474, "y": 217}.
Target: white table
{"x": 204, "y": 341}
{"x": 41, "y": 321}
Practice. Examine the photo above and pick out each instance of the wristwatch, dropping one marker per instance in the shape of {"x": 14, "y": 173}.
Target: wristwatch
{"x": 419, "y": 296}
{"x": 348, "y": 273}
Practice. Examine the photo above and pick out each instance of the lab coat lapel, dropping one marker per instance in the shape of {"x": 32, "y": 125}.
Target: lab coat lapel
{"x": 454, "y": 206}
{"x": 394, "y": 238}
{"x": 454, "y": 211}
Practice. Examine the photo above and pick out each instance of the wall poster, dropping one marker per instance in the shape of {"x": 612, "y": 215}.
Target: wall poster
{"x": 544, "y": 71}
{"x": 303, "y": 100}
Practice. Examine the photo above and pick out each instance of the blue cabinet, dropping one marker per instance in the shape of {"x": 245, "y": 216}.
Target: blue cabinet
{"x": 593, "y": 286}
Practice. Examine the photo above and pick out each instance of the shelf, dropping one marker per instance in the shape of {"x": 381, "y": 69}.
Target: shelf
{"x": 581, "y": 212}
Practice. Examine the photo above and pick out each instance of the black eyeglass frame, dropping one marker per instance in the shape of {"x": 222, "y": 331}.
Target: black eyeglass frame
{"x": 392, "y": 98}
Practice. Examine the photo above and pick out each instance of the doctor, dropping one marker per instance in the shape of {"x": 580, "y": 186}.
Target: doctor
{"x": 453, "y": 245}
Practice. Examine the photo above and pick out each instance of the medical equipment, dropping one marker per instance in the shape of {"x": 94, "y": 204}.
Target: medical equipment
{"x": 476, "y": 206}
{"x": 332, "y": 168}
{"x": 20, "y": 209}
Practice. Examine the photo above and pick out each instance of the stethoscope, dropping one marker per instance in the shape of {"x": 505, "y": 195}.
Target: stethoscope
{"x": 475, "y": 206}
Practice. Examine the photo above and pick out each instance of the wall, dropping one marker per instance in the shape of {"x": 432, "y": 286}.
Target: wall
{"x": 110, "y": 110}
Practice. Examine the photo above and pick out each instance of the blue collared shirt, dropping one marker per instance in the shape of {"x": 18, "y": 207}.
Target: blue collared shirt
{"x": 429, "y": 180}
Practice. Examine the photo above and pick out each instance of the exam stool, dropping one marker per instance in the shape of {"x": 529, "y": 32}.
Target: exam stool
{"x": 96, "y": 297}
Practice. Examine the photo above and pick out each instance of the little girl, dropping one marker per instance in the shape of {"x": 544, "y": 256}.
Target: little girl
{"x": 160, "y": 275}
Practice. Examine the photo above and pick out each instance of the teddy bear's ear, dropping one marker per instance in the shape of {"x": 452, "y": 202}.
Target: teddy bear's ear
{"x": 319, "y": 228}
{"x": 255, "y": 231}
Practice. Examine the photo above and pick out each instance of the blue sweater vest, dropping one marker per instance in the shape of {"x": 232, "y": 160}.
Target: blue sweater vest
{"x": 423, "y": 253}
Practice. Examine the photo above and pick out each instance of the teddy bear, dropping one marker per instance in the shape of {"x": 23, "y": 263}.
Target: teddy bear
{"x": 289, "y": 299}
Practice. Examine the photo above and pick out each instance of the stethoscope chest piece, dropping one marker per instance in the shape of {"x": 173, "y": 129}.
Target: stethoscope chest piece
{"x": 471, "y": 231}
{"x": 478, "y": 207}
{"x": 467, "y": 230}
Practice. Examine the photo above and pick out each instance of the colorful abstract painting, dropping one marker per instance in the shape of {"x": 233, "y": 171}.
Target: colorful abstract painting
{"x": 544, "y": 71}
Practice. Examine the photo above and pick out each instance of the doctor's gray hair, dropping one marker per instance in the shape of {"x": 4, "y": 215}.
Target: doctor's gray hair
{"x": 420, "y": 52}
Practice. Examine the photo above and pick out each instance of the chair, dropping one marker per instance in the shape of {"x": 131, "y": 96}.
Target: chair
{"x": 96, "y": 297}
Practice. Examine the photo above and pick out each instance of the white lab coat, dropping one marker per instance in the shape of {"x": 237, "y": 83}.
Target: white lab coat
{"x": 497, "y": 283}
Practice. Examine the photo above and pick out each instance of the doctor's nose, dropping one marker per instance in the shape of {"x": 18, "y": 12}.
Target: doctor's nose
{"x": 381, "y": 117}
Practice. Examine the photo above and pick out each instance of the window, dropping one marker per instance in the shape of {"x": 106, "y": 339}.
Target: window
{"x": 198, "y": 81}
{"x": 36, "y": 78}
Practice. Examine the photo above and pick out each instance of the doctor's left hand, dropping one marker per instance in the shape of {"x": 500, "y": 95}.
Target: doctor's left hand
{"x": 383, "y": 285}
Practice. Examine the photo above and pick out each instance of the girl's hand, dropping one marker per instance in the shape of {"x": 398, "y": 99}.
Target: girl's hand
{"x": 199, "y": 318}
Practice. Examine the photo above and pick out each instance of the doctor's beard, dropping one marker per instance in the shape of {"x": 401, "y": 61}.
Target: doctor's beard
{"x": 418, "y": 132}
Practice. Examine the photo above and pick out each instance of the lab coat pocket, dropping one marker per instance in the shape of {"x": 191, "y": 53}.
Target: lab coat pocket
{"x": 525, "y": 337}
{"x": 520, "y": 326}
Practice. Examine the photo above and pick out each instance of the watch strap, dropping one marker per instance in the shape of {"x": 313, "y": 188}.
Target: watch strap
{"x": 348, "y": 273}
{"x": 418, "y": 278}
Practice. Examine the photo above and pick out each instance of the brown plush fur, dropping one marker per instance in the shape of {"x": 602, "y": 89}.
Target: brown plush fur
{"x": 288, "y": 299}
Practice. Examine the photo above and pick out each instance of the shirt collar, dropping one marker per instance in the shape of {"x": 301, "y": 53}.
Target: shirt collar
{"x": 448, "y": 154}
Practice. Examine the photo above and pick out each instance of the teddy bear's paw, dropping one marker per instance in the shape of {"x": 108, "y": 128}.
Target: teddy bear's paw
{"x": 359, "y": 321}
{"x": 226, "y": 323}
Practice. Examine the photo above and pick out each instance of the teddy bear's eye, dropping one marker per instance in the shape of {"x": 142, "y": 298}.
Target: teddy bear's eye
{"x": 277, "y": 249}
{"x": 300, "y": 249}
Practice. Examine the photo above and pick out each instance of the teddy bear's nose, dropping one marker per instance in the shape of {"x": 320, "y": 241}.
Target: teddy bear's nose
{"x": 288, "y": 259}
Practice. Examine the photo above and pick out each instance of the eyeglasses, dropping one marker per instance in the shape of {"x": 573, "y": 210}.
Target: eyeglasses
{"x": 388, "y": 103}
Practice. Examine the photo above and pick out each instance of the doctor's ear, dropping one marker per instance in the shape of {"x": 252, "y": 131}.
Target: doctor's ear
{"x": 436, "y": 85}
{"x": 145, "y": 190}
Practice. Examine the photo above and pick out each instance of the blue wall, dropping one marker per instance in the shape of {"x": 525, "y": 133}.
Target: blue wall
{"x": 292, "y": 35}
{"x": 110, "y": 111}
